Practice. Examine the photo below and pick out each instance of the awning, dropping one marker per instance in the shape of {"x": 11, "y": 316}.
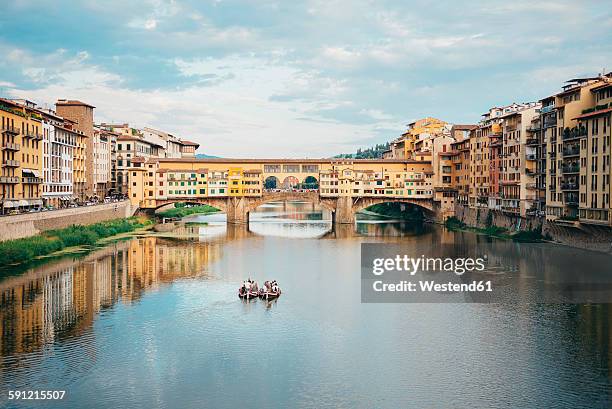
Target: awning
{"x": 36, "y": 202}
{"x": 27, "y": 172}
{"x": 9, "y": 204}
{"x": 23, "y": 203}
{"x": 36, "y": 173}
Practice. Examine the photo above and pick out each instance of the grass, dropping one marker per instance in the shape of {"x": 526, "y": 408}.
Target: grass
{"x": 181, "y": 211}
{"x": 27, "y": 249}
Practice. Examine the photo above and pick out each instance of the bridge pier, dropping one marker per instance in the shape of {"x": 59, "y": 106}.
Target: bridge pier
{"x": 237, "y": 210}
{"x": 344, "y": 213}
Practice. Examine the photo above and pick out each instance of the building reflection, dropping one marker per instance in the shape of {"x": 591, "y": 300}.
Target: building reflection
{"x": 63, "y": 298}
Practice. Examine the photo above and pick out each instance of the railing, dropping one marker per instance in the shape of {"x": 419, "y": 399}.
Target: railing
{"x": 11, "y": 129}
{"x": 547, "y": 109}
{"x": 11, "y": 146}
{"x": 31, "y": 180}
{"x": 9, "y": 179}
{"x": 574, "y": 133}
{"x": 569, "y": 186}
{"x": 571, "y": 151}
{"x": 30, "y": 134}
{"x": 11, "y": 163}
{"x": 571, "y": 169}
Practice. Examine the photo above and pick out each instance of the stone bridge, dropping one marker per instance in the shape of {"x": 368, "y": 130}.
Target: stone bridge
{"x": 342, "y": 208}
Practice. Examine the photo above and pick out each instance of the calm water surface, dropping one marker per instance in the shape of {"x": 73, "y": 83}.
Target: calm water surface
{"x": 154, "y": 322}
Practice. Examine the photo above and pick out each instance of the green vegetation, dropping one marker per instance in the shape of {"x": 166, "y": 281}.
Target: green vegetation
{"x": 26, "y": 249}
{"x": 452, "y": 223}
{"x": 375, "y": 152}
{"x": 528, "y": 236}
{"x": 180, "y": 210}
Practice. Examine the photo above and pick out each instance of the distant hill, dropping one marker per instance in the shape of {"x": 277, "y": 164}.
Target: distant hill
{"x": 374, "y": 152}
{"x": 205, "y": 156}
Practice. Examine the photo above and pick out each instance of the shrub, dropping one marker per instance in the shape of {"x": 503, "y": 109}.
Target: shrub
{"x": 24, "y": 250}
{"x": 528, "y": 236}
{"x": 453, "y": 223}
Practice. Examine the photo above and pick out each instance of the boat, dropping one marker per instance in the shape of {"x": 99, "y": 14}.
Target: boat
{"x": 247, "y": 294}
{"x": 270, "y": 290}
{"x": 248, "y": 290}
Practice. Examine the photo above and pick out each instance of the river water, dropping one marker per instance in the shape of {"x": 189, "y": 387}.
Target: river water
{"x": 154, "y": 322}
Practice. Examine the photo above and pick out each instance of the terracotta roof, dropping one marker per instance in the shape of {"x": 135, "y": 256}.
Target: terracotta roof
{"x": 72, "y": 102}
{"x": 594, "y": 113}
{"x": 189, "y": 143}
{"x": 138, "y": 159}
{"x": 287, "y": 160}
{"x": 464, "y": 127}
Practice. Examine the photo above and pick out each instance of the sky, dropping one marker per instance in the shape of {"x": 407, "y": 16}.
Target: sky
{"x": 311, "y": 78}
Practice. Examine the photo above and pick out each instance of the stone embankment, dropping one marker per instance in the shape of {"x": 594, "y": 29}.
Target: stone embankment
{"x": 574, "y": 234}
{"x": 31, "y": 224}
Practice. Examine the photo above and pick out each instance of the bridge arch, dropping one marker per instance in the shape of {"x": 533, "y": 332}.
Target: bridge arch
{"x": 290, "y": 182}
{"x": 220, "y": 204}
{"x": 272, "y": 182}
{"x": 310, "y": 182}
{"x": 423, "y": 204}
{"x": 312, "y": 197}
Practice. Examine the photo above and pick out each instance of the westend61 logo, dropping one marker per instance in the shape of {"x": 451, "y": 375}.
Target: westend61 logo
{"x": 390, "y": 275}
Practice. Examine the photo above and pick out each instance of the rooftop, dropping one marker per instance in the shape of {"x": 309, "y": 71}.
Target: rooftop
{"x": 72, "y": 102}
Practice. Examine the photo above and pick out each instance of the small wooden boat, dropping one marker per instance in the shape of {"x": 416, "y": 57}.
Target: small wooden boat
{"x": 268, "y": 294}
{"x": 247, "y": 295}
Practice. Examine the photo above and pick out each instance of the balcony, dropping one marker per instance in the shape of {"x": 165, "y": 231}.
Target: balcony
{"x": 11, "y": 146}
{"x": 531, "y": 186}
{"x": 9, "y": 179}
{"x": 574, "y": 133}
{"x": 573, "y": 151}
{"x": 571, "y": 169}
{"x": 571, "y": 200}
{"x": 31, "y": 134}
{"x": 569, "y": 186}
{"x": 31, "y": 180}
{"x": 547, "y": 109}
{"x": 9, "y": 163}
{"x": 532, "y": 141}
{"x": 10, "y": 129}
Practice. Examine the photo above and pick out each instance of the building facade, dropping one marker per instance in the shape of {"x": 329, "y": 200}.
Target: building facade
{"x": 21, "y": 173}
{"x": 81, "y": 116}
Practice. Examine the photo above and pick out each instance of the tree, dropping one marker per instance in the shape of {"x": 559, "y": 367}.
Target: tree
{"x": 310, "y": 183}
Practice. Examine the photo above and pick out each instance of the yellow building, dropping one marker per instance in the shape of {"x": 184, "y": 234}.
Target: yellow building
{"x": 416, "y": 139}
{"x": 21, "y": 173}
{"x": 164, "y": 180}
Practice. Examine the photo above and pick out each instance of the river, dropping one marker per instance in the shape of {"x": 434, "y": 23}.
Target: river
{"x": 154, "y": 322}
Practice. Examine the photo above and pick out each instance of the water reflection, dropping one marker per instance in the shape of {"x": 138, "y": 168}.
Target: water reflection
{"x": 155, "y": 322}
{"x": 63, "y": 297}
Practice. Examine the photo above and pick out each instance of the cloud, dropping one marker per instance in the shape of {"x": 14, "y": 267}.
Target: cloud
{"x": 298, "y": 78}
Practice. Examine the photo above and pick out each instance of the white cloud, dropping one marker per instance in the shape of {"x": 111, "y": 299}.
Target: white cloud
{"x": 237, "y": 117}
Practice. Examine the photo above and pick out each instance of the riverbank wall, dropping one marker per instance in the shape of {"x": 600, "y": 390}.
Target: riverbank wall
{"x": 31, "y": 224}
{"x": 573, "y": 234}
{"x": 483, "y": 218}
